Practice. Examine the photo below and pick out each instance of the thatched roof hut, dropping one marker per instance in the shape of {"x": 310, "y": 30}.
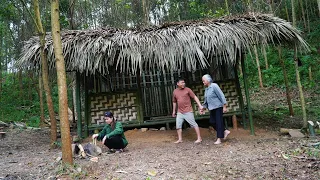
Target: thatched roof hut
{"x": 106, "y": 60}
{"x": 167, "y": 47}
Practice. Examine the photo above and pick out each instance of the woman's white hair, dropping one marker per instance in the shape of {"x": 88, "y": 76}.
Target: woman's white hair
{"x": 208, "y": 77}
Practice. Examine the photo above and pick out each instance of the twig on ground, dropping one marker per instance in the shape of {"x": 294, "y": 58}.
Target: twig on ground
{"x": 121, "y": 172}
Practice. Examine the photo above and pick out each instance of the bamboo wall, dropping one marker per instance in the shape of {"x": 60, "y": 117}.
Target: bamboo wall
{"x": 149, "y": 94}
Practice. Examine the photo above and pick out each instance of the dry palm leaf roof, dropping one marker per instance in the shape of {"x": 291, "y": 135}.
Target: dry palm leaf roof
{"x": 167, "y": 47}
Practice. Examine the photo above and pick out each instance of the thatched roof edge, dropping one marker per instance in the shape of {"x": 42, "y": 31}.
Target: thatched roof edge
{"x": 171, "y": 46}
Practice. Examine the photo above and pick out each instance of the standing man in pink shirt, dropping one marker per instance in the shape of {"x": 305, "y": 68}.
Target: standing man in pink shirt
{"x": 182, "y": 96}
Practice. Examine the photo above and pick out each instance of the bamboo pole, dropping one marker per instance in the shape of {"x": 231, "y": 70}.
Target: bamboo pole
{"x": 245, "y": 83}
{"x": 86, "y": 107}
{"x": 78, "y": 106}
{"x": 240, "y": 97}
{"x": 286, "y": 82}
{"x": 301, "y": 95}
{"x": 258, "y": 66}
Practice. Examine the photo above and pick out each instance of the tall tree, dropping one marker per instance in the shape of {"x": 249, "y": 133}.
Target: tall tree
{"x": 318, "y": 1}
{"x": 62, "y": 84}
{"x": 1, "y": 56}
{"x": 302, "y": 101}
{"x": 227, "y": 7}
{"x": 258, "y": 65}
{"x": 265, "y": 56}
{"x": 72, "y": 26}
{"x": 303, "y": 14}
{"x": 40, "y": 93}
{"x": 20, "y": 85}
{"x": 71, "y": 14}
{"x": 45, "y": 76}
{"x": 145, "y": 12}
{"x": 301, "y": 95}
{"x": 308, "y": 18}
{"x": 294, "y": 22}
{"x": 286, "y": 9}
{"x": 285, "y": 76}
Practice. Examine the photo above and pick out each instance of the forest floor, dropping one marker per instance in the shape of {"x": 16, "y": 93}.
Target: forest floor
{"x": 25, "y": 154}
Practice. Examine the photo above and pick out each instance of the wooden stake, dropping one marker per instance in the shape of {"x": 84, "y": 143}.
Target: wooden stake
{"x": 234, "y": 122}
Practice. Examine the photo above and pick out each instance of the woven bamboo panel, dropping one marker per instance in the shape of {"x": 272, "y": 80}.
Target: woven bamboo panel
{"x": 122, "y": 105}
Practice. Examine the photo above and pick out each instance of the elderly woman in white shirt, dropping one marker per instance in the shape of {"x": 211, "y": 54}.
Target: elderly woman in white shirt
{"x": 215, "y": 102}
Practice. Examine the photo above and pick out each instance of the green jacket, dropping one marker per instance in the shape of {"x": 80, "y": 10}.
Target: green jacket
{"x": 107, "y": 131}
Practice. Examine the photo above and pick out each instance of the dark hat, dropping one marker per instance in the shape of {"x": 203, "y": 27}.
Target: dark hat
{"x": 108, "y": 114}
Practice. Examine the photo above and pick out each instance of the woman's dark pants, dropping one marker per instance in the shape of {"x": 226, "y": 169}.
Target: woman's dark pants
{"x": 114, "y": 142}
{"x": 216, "y": 120}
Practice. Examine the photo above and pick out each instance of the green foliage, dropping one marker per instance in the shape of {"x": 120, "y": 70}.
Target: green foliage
{"x": 7, "y": 10}
{"x": 271, "y": 78}
{"x": 13, "y": 106}
{"x": 34, "y": 121}
{"x": 274, "y": 75}
{"x": 24, "y": 107}
{"x": 306, "y": 151}
{"x": 58, "y": 144}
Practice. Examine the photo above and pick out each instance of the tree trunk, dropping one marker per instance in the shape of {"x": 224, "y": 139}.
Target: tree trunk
{"x": 45, "y": 77}
{"x": 1, "y": 59}
{"x": 31, "y": 82}
{"x": 265, "y": 56}
{"x": 258, "y": 65}
{"x": 248, "y": 2}
{"x": 308, "y": 18}
{"x": 287, "y": 12}
{"x": 20, "y": 86}
{"x": 0, "y": 68}
{"x": 303, "y": 14}
{"x": 71, "y": 13}
{"x": 74, "y": 97}
{"x": 227, "y": 7}
{"x": 318, "y": 7}
{"x": 310, "y": 73}
{"x": 40, "y": 93}
{"x": 302, "y": 101}
{"x": 62, "y": 84}
{"x": 286, "y": 82}
{"x": 293, "y": 14}
{"x": 145, "y": 12}
{"x": 270, "y": 3}
{"x": 72, "y": 26}
{"x": 0, "y": 77}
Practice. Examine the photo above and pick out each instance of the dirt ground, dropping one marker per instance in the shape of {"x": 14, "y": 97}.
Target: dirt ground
{"x": 25, "y": 154}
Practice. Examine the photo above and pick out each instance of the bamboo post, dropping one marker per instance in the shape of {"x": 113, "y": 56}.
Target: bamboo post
{"x": 78, "y": 106}
{"x": 139, "y": 96}
{"x": 164, "y": 93}
{"x": 240, "y": 97}
{"x": 245, "y": 83}
{"x": 86, "y": 104}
